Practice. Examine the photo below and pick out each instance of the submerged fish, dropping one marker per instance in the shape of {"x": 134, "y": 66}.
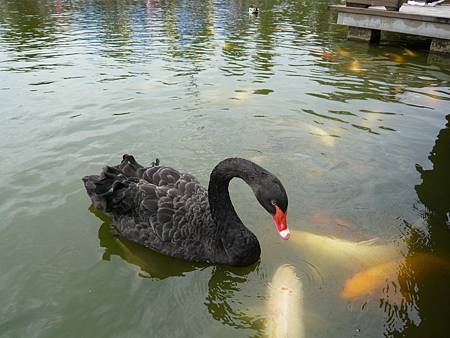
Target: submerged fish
{"x": 330, "y": 56}
{"x": 327, "y": 139}
{"x": 363, "y": 253}
{"x": 342, "y": 52}
{"x": 336, "y": 225}
{"x": 366, "y": 282}
{"x": 240, "y": 95}
{"x": 260, "y": 159}
{"x": 409, "y": 52}
{"x": 148, "y": 86}
{"x": 373, "y": 280}
{"x": 327, "y": 219}
{"x": 285, "y": 305}
{"x": 396, "y": 57}
{"x": 227, "y": 46}
{"x": 355, "y": 67}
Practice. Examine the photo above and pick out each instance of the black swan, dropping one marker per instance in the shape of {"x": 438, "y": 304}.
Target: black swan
{"x": 172, "y": 213}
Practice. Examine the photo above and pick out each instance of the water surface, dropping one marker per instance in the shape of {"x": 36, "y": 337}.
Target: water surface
{"x": 358, "y": 134}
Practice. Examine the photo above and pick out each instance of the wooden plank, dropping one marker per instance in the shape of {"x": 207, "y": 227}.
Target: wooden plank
{"x": 391, "y": 14}
{"x": 394, "y": 24}
{"x": 438, "y": 11}
{"x": 389, "y": 4}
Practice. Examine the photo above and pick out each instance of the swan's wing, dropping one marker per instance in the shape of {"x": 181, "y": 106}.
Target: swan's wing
{"x": 167, "y": 215}
{"x": 129, "y": 167}
{"x": 167, "y": 176}
{"x": 173, "y": 220}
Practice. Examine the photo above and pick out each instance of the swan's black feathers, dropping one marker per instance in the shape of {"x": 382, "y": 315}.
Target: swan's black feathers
{"x": 155, "y": 206}
{"x": 172, "y": 213}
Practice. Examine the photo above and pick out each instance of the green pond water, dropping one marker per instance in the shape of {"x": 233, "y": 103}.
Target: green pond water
{"x": 358, "y": 134}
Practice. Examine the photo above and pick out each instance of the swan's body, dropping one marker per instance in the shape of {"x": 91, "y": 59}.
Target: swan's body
{"x": 172, "y": 213}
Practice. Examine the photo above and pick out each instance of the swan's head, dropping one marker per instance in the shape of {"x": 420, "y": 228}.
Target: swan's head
{"x": 272, "y": 196}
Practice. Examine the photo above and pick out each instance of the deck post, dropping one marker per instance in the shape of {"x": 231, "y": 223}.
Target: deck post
{"x": 440, "y": 45}
{"x": 363, "y": 34}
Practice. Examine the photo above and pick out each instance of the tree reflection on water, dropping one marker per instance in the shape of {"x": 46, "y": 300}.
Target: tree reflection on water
{"x": 425, "y": 274}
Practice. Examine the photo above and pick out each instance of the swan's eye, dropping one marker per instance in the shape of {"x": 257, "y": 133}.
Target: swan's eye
{"x": 273, "y": 203}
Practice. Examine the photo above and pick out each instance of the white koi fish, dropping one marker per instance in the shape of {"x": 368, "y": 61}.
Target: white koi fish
{"x": 285, "y": 305}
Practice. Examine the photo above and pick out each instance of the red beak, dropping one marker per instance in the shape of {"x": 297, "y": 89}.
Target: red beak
{"x": 280, "y": 222}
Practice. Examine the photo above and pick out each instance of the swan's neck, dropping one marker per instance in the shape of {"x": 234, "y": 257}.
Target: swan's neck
{"x": 231, "y": 233}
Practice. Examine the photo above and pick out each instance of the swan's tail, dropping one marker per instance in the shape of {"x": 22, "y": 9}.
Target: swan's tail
{"x": 129, "y": 167}
{"x": 110, "y": 190}
{"x": 107, "y": 190}
{"x": 90, "y": 183}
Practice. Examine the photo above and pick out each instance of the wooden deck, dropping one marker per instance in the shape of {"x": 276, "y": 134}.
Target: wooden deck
{"x": 365, "y": 24}
{"x": 441, "y": 11}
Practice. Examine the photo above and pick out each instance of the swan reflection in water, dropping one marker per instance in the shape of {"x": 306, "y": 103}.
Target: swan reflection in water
{"x": 223, "y": 284}
{"x": 283, "y": 312}
{"x": 151, "y": 264}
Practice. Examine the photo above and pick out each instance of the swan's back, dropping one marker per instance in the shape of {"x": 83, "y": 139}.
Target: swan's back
{"x": 158, "y": 207}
